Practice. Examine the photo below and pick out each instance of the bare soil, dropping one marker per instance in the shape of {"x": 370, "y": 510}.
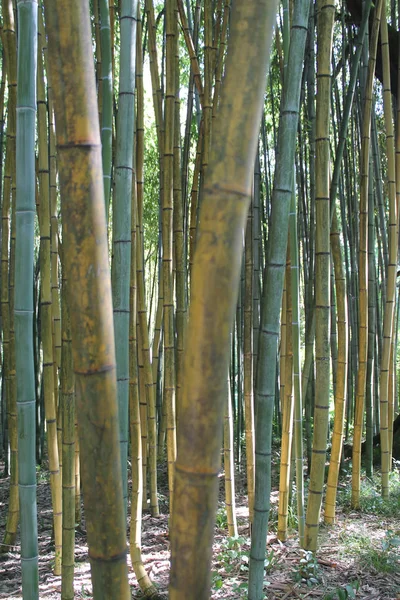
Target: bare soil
{"x": 345, "y": 557}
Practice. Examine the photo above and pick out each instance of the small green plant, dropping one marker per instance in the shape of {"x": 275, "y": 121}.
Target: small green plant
{"x": 232, "y": 556}
{"x": 345, "y": 592}
{"x": 84, "y": 593}
{"x": 233, "y": 560}
{"x": 308, "y": 570}
{"x": 271, "y": 560}
{"x": 221, "y": 519}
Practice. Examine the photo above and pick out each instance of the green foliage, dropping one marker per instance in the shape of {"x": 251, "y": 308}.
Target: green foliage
{"x": 371, "y": 501}
{"x": 308, "y": 570}
{"x": 344, "y": 592}
{"x": 382, "y": 559}
{"x": 385, "y": 559}
{"x": 221, "y": 519}
{"x": 233, "y": 560}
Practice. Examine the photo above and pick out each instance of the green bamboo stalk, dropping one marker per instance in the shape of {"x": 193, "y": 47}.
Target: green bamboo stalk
{"x": 23, "y": 307}
{"x": 248, "y": 380}
{"x": 386, "y": 399}
{"x": 272, "y": 295}
{"x": 298, "y": 405}
{"x": 120, "y": 268}
{"x": 7, "y": 273}
{"x": 107, "y": 98}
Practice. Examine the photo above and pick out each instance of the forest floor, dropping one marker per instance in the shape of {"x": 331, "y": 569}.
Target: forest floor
{"x": 359, "y": 557}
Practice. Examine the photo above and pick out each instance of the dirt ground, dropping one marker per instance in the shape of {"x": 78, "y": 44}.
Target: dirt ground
{"x": 358, "y": 557}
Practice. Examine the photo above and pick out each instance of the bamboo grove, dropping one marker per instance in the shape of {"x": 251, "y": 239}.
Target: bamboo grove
{"x": 199, "y": 250}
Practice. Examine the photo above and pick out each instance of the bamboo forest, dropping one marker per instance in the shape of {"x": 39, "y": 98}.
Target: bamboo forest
{"x": 199, "y": 299}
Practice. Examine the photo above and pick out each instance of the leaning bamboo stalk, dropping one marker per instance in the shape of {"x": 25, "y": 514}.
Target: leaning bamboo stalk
{"x": 134, "y": 420}
{"x": 216, "y": 270}
{"x": 363, "y": 261}
{"x": 248, "y": 391}
{"x": 272, "y": 294}
{"x": 46, "y": 319}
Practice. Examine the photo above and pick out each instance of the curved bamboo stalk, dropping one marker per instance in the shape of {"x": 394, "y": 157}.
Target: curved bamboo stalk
{"x": 216, "y": 270}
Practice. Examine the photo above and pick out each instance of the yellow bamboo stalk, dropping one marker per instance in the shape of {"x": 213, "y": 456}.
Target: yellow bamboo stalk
{"x": 248, "y": 391}
{"x": 341, "y": 378}
{"x": 53, "y": 439}
{"x": 325, "y": 22}
{"x": 384, "y": 384}
{"x": 89, "y": 288}
{"x": 287, "y": 415}
{"x": 229, "y": 465}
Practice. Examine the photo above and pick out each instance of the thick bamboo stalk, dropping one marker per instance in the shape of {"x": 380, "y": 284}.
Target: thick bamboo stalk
{"x": 89, "y": 289}
{"x": 23, "y": 307}
{"x": 215, "y": 274}
{"x": 7, "y": 273}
